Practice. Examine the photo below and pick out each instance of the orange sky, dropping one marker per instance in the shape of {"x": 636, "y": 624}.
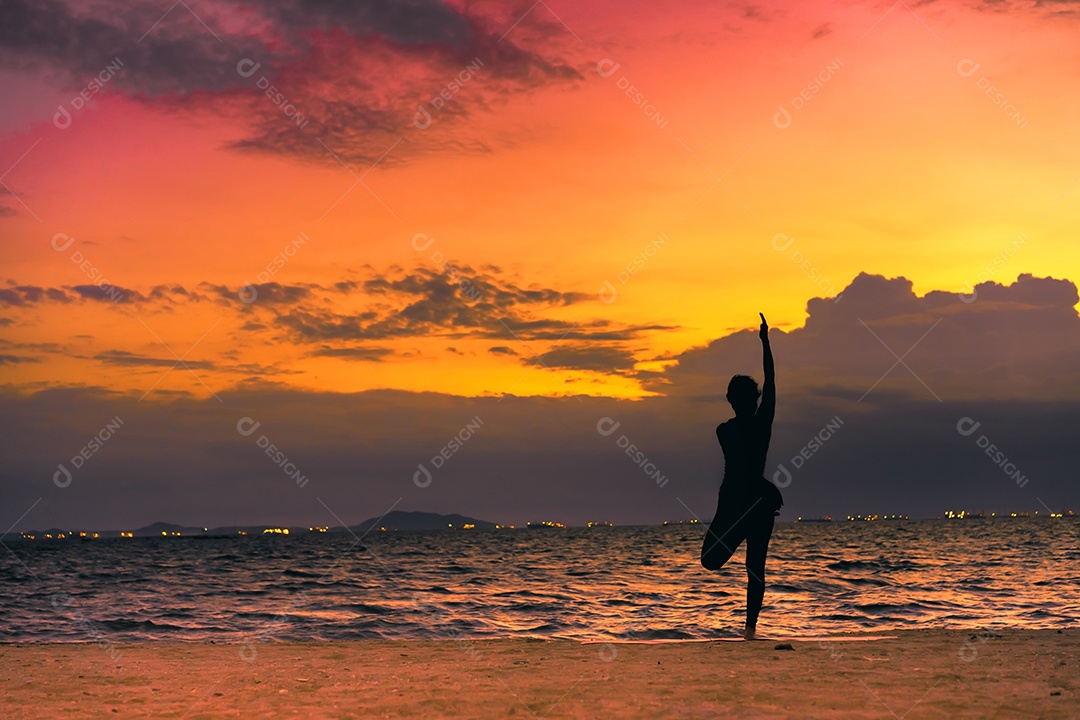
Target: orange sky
{"x": 899, "y": 165}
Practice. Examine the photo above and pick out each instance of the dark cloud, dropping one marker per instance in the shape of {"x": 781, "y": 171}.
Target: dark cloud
{"x": 501, "y": 350}
{"x": 17, "y": 359}
{"x": 185, "y": 50}
{"x": 420, "y": 22}
{"x": 584, "y": 357}
{"x": 107, "y": 293}
{"x": 593, "y": 331}
{"x": 122, "y": 357}
{"x": 1054, "y": 8}
{"x": 275, "y": 293}
{"x": 6, "y": 210}
{"x": 36, "y": 347}
{"x": 456, "y": 303}
{"x": 305, "y": 75}
{"x": 1019, "y": 339}
{"x": 362, "y": 354}
{"x": 22, "y": 295}
{"x": 258, "y": 370}
{"x": 474, "y": 284}
{"x": 173, "y": 294}
{"x": 753, "y": 12}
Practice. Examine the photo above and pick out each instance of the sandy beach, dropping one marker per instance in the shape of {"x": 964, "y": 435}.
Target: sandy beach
{"x": 913, "y": 674}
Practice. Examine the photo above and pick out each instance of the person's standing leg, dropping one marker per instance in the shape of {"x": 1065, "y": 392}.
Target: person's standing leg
{"x": 757, "y": 547}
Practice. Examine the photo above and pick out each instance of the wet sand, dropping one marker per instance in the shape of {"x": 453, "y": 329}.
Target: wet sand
{"x": 908, "y": 674}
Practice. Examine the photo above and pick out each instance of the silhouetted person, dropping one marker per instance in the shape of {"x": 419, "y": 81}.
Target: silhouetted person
{"x": 748, "y": 503}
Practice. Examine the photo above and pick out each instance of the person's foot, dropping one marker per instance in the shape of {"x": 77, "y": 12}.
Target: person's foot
{"x": 750, "y": 633}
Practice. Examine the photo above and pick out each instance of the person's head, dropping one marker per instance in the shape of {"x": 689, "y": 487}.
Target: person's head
{"x": 743, "y": 394}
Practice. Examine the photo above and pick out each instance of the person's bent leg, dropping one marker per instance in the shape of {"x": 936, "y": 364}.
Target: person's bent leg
{"x": 721, "y": 540}
{"x": 757, "y": 548}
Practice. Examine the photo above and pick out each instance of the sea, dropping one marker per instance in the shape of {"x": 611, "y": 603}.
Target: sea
{"x": 596, "y": 584}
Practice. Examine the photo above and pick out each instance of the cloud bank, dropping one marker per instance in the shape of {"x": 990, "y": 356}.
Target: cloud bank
{"x": 899, "y": 443}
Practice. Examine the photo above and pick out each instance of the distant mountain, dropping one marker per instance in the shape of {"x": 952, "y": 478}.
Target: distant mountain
{"x": 402, "y": 520}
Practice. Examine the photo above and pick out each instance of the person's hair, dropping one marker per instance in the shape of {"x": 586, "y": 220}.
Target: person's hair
{"x": 743, "y": 391}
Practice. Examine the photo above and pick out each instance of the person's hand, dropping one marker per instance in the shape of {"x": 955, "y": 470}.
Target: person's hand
{"x": 764, "y": 332}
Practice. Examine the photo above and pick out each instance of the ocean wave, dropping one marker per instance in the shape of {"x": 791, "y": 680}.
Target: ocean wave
{"x": 823, "y": 578}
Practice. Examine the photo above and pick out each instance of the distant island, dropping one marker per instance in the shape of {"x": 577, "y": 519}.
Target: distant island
{"x": 404, "y": 520}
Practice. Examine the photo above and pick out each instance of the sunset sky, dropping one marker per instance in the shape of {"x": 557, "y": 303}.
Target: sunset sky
{"x": 362, "y": 224}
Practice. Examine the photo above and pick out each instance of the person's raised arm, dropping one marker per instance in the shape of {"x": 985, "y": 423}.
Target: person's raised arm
{"x": 768, "y": 392}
